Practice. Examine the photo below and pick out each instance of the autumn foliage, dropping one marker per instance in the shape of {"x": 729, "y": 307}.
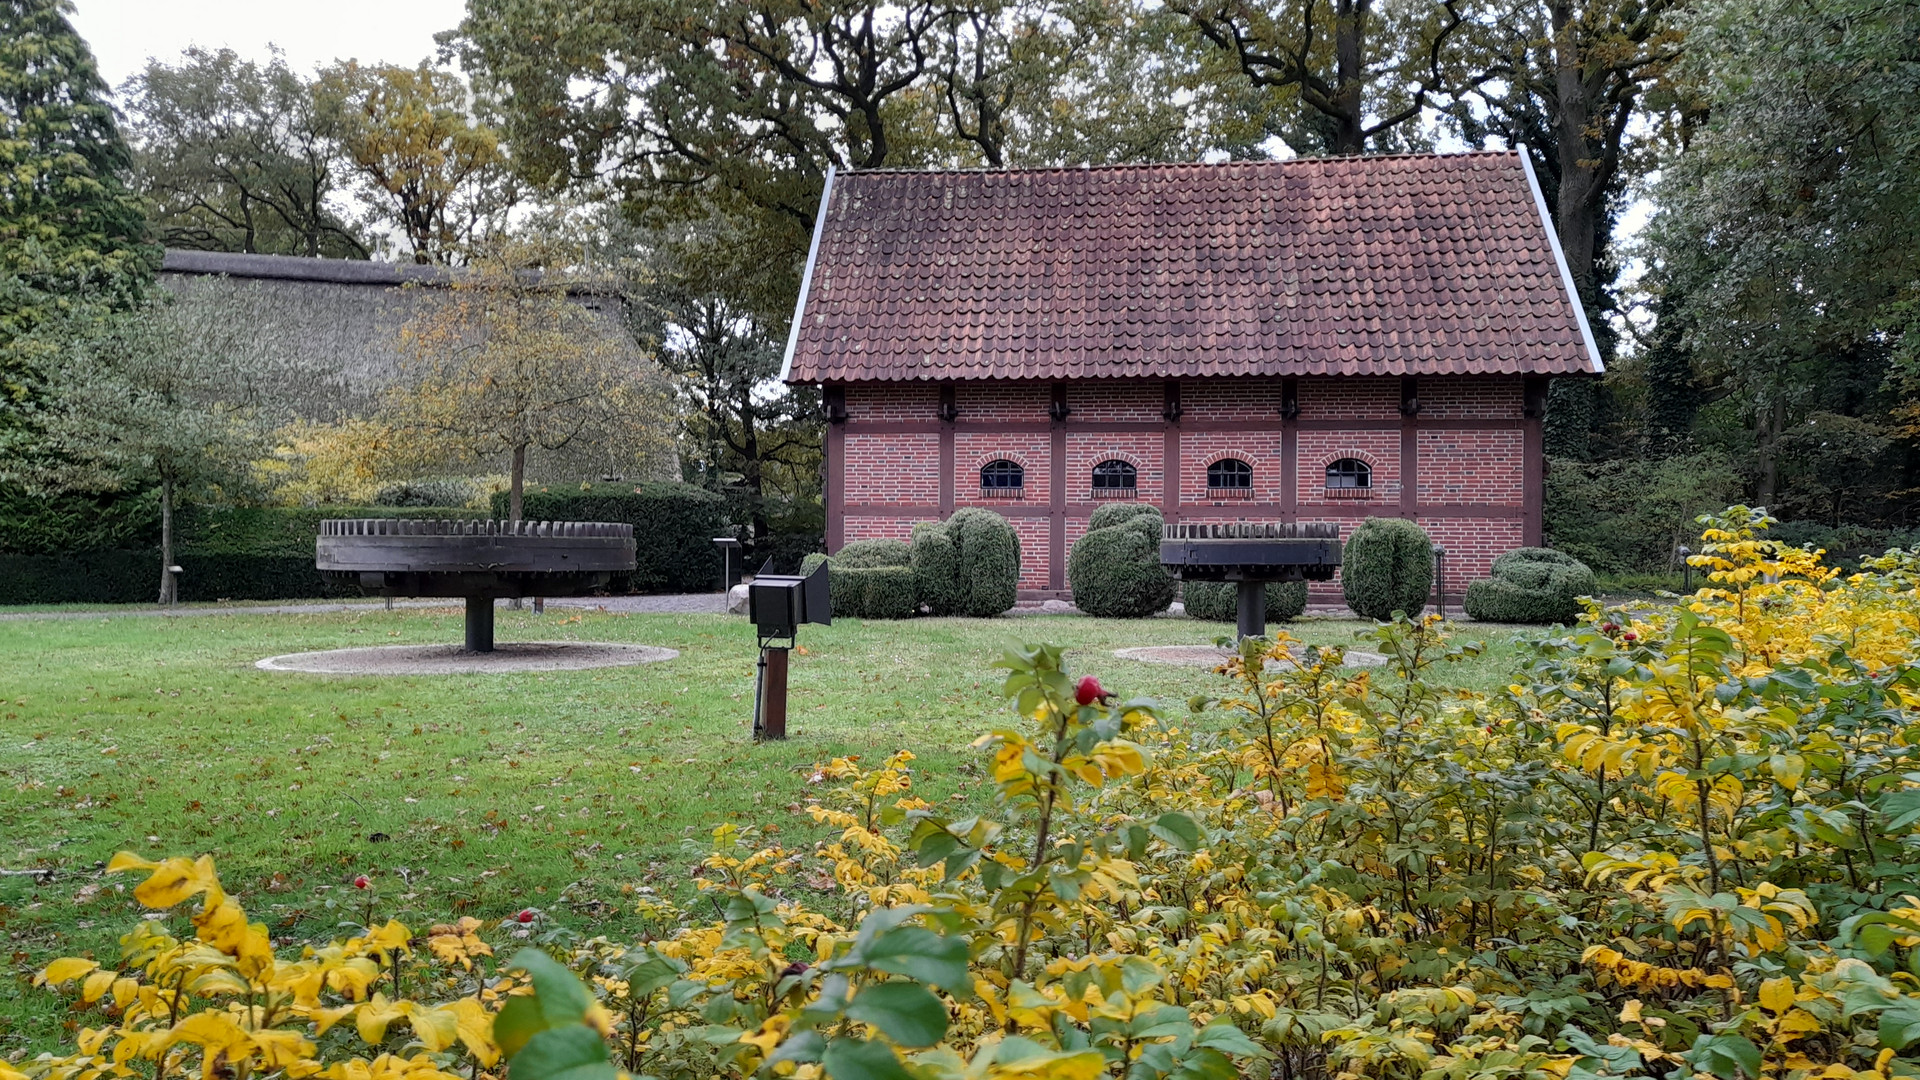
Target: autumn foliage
{"x": 1680, "y": 844}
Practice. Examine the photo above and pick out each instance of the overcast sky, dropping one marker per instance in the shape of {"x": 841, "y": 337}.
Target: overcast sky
{"x": 124, "y": 33}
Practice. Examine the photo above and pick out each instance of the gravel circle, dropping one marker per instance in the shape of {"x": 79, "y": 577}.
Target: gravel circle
{"x": 507, "y": 658}
{"x": 1214, "y": 656}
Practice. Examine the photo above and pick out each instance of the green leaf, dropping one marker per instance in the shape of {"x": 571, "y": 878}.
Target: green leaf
{"x": 559, "y": 1000}
{"x": 567, "y": 1053}
{"x": 1178, "y": 830}
{"x": 856, "y": 1059}
{"x": 921, "y": 955}
{"x": 905, "y": 1012}
{"x": 1221, "y": 1035}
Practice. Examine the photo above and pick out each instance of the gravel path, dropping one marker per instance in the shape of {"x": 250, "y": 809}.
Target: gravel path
{"x": 688, "y": 604}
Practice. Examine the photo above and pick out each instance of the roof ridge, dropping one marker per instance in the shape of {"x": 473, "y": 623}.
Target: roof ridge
{"x": 1126, "y": 165}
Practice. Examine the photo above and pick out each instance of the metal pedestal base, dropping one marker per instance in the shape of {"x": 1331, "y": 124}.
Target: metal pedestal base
{"x": 1251, "y": 599}
{"x": 479, "y": 624}
{"x": 770, "y": 696}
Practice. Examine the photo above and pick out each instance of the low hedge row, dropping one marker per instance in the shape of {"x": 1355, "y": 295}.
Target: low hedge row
{"x": 1218, "y": 601}
{"x": 968, "y": 564}
{"x": 673, "y": 527}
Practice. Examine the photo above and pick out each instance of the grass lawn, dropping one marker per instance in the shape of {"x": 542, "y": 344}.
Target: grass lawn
{"x": 469, "y": 794}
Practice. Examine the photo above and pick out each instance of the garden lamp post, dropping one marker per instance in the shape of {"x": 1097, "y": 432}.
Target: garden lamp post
{"x": 1686, "y": 569}
{"x": 1440, "y": 577}
{"x": 778, "y": 604}
{"x": 727, "y": 545}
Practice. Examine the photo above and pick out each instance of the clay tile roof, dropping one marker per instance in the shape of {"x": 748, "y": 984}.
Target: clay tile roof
{"x": 1403, "y": 265}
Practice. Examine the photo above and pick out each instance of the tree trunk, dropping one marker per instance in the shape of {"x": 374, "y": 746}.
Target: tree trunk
{"x": 517, "y": 487}
{"x": 1350, "y": 46}
{"x": 515, "y": 490}
{"x": 169, "y": 587}
{"x": 1770, "y": 423}
{"x": 751, "y": 474}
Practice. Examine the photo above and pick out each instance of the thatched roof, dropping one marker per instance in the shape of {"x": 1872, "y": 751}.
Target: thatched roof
{"x": 341, "y": 317}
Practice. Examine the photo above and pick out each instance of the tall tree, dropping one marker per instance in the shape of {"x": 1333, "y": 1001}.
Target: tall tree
{"x": 511, "y": 363}
{"x": 171, "y": 396}
{"x": 238, "y": 156}
{"x": 409, "y": 134}
{"x": 1574, "y": 77}
{"x": 1356, "y": 76}
{"x": 1789, "y": 228}
{"x": 72, "y": 236}
{"x": 696, "y": 108}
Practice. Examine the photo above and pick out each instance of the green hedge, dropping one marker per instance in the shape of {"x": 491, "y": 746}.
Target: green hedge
{"x": 1115, "y": 568}
{"x": 1217, "y": 601}
{"x": 1531, "y": 585}
{"x": 1387, "y": 566}
{"x": 59, "y": 524}
{"x": 673, "y": 527}
{"x": 936, "y": 567}
{"x": 872, "y": 586}
{"x": 250, "y": 553}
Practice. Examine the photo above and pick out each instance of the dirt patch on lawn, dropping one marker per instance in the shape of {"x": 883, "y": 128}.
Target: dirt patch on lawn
{"x": 507, "y": 658}
{"x": 1214, "y": 656}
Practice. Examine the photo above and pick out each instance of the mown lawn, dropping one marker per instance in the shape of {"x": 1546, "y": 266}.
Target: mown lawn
{"x": 567, "y": 792}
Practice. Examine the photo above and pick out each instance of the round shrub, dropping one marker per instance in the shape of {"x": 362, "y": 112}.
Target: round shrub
{"x": 988, "y": 582}
{"x": 1387, "y": 566}
{"x": 1531, "y": 585}
{"x": 1115, "y": 568}
{"x": 1107, "y": 515}
{"x": 1218, "y": 601}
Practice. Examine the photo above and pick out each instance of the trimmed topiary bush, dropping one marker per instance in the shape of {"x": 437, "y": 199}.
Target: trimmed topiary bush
{"x": 1115, "y": 568}
{"x": 1531, "y": 585}
{"x": 988, "y": 550}
{"x": 869, "y": 579}
{"x": 936, "y": 567}
{"x": 1387, "y": 566}
{"x": 1217, "y": 600}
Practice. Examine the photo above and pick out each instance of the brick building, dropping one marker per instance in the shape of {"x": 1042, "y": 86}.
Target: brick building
{"x": 1316, "y": 340}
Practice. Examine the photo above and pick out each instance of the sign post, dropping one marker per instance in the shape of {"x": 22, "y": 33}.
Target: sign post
{"x": 778, "y": 604}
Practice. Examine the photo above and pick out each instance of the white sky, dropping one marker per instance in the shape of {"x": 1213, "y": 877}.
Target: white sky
{"x": 124, "y": 33}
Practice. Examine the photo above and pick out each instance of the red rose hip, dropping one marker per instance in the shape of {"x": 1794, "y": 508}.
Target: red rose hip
{"x": 1088, "y": 690}
{"x": 525, "y": 916}
{"x": 361, "y": 882}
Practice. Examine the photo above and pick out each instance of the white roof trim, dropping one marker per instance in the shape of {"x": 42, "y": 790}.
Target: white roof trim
{"x": 1559, "y": 256}
{"x": 806, "y": 278}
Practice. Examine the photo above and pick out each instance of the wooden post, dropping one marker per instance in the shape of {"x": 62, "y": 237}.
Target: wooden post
{"x": 770, "y": 696}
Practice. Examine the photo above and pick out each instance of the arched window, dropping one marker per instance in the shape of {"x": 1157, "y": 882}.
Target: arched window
{"x": 1229, "y": 478}
{"x": 1115, "y": 479}
{"x": 1349, "y": 475}
{"x": 1002, "y": 479}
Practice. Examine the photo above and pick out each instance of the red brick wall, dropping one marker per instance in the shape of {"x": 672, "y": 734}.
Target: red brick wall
{"x": 1477, "y": 468}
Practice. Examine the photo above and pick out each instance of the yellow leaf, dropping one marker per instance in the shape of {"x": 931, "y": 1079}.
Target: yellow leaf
{"x": 214, "y": 1032}
{"x": 96, "y": 985}
{"x": 63, "y": 969}
{"x": 1776, "y": 995}
{"x": 1630, "y": 1012}
{"x": 279, "y": 1049}
{"x": 435, "y": 1028}
{"x": 475, "y": 1026}
{"x": 374, "y": 1016}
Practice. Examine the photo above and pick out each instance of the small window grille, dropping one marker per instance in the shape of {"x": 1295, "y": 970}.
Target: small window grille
{"x": 1349, "y": 478}
{"x": 1002, "y": 479}
{"x": 1229, "y": 478}
{"x": 1115, "y": 479}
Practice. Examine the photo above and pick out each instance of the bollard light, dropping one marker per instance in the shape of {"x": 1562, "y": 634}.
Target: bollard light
{"x": 1686, "y": 569}
{"x": 778, "y": 605}
{"x": 1440, "y": 577}
{"x": 728, "y": 546}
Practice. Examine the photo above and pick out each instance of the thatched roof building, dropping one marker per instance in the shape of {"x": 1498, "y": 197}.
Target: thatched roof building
{"x": 342, "y": 319}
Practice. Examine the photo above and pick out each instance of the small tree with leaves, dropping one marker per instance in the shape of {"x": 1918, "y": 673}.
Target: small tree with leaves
{"x": 511, "y": 362}
{"x": 172, "y": 395}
